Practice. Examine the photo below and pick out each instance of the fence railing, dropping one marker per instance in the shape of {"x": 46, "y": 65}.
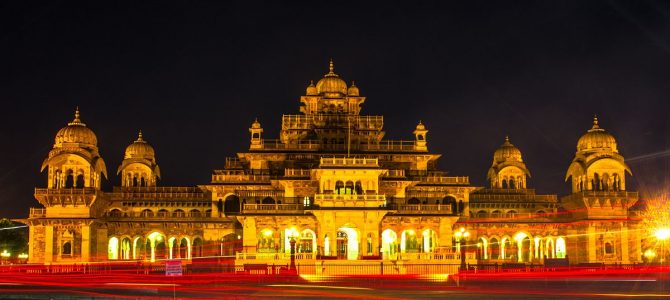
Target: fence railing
{"x": 272, "y": 208}
{"x": 423, "y": 208}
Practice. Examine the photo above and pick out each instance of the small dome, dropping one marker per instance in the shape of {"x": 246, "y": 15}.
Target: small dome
{"x": 256, "y": 124}
{"x": 420, "y": 126}
{"x": 507, "y": 152}
{"x": 331, "y": 85}
{"x": 140, "y": 149}
{"x": 353, "y": 90}
{"x": 596, "y": 139}
{"x": 76, "y": 132}
{"x": 311, "y": 89}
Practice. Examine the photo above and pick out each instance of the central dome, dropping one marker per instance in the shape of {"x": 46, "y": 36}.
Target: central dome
{"x": 331, "y": 85}
{"x": 507, "y": 152}
{"x": 596, "y": 139}
{"x": 76, "y": 132}
{"x": 140, "y": 149}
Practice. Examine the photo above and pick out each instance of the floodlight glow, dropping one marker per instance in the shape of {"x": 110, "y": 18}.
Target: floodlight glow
{"x": 662, "y": 234}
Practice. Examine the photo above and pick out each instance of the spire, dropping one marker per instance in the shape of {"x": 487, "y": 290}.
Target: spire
{"x": 353, "y": 83}
{"x": 76, "y": 120}
{"x": 507, "y": 139}
{"x": 596, "y": 126}
{"x": 311, "y": 83}
{"x": 139, "y": 137}
{"x": 331, "y": 67}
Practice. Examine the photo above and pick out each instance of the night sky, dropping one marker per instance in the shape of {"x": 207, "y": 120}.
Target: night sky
{"x": 193, "y": 75}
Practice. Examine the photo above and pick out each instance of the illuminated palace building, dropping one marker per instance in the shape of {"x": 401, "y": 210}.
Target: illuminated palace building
{"x": 334, "y": 189}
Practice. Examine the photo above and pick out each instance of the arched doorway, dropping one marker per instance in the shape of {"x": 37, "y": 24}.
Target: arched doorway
{"x": 307, "y": 242}
{"x": 409, "y": 242}
{"x": 197, "y": 248}
{"x": 549, "y": 251}
{"x": 184, "y": 249}
{"x": 389, "y": 244}
{"x": 347, "y": 243}
{"x": 429, "y": 238}
{"x": 230, "y": 244}
{"x": 495, "y": 248}
{"x": 125, "y": 248}
{"x": 113, "y": 248}
{"x": 231, "y": 205}
{"x": 560, "y": 248}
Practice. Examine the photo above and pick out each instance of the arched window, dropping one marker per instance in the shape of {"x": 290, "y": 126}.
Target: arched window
{"x": 511, "y": 214}
{"x": 268, "y": 200}
{"x": 67, "y": 248}
{"x": 69, "y": 179}
{"x": 178, "y": 213}
{"x": 512, "y": 183}
{"x": 413, "y": 201}
{"x": 163, "y": 213}
{"x": 115, "y": 213}
{"x": 147, "y": 213}
{"x": 358, "y": 189}
{"x": 504, "y": 183}
{"x": 339, "y": 187}
{"x": 80, "y": 181}
{"x": 194, "y": 213}
{"x": 560, "y": 248}
{"x": 596, "y": 181}
{"x": 481, "y": 214}
{"x": 609, "y": 249}
{"x": 495, "y": 214}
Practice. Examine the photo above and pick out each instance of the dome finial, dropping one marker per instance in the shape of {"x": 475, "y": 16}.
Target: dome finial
{"x": 596, "y": 125}
{"x": 77, "y": 120}
{"x": 139, "y": 136}
{"x": 331, "y": 67}
{"x": 506, "y": 138}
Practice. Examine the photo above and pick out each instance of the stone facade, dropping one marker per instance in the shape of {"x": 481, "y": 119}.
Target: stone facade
{"x": 332, "y": 186}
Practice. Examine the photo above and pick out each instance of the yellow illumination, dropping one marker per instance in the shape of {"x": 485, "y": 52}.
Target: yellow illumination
{"x": 662, "y": 234}
{"x": 267, "y": 233}
{"x": 411, "y": 232}
{"x": 5, "y": 254}
{"x": 649, "y": 254}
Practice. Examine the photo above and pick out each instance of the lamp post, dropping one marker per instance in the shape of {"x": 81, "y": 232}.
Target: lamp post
{"x": 5, "y": 256}
{"x": 462, "y": 236}
{"x": 292, "y": 242}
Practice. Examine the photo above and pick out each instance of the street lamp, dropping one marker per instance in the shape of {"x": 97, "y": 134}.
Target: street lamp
{"x": 292, "y": 237}
{"x": 5, "y": 255}
{"x": 461, "y": 236}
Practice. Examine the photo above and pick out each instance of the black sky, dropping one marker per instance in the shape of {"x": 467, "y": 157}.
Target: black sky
{"x": 193, "y": 75}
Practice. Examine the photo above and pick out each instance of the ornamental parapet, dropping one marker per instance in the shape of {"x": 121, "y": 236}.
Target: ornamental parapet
{"x": 477, "y": 197}
{"x": 272, "y": 208}
{"x": 316, "y": 145}
{"x": 240, "y": 178}
{"x": 306, "y": 122}
{"x": 452, "y": 180}
{"x": 423, "y": 209}
{"x": 159, "y": 193}
{"x": 339, "y": 200}
{"x": 348, "y": 162}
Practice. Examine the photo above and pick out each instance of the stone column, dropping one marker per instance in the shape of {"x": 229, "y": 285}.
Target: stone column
{"x": 591, "y": 243}
{"x": 625, "y": 257}
{"x": 85, "y": 243}
{"x": 48, "y": 243}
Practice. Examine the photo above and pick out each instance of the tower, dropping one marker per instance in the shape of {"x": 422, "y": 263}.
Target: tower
{"x": 420, "y": 132}
{"x": 65, "y": 229}
{"x": 256, "y": 131}
{"x": 508, "y": 170}
{"x": 597, "y": 165}
{"x": 599, "y": 198}
{"x": 74, "y": 161}
{"x": 139, "y": 167}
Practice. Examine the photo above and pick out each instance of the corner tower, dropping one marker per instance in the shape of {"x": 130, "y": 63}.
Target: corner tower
{"x": 74, "y": 161}
{"x": 508, "y": 170}
{"x": 597, "y": 165}
{"x": 139, "y": 167}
